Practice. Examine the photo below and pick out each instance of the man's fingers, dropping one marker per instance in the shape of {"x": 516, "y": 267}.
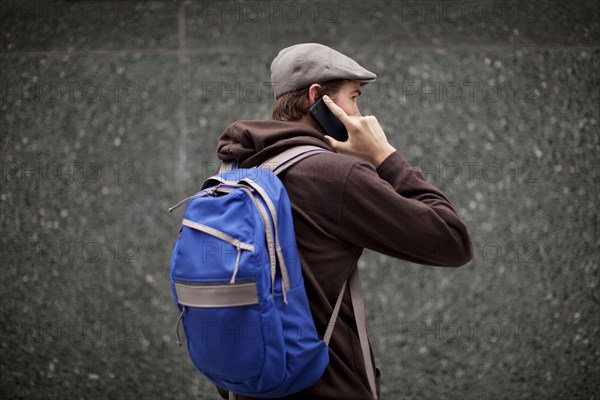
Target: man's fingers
{"x": 336, "y": 144}
{"x": 337, "y": 111}
{"x": 332, "y": 142}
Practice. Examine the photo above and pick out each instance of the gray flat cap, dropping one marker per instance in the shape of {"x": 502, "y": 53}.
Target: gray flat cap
{"x": 301, "y": 65}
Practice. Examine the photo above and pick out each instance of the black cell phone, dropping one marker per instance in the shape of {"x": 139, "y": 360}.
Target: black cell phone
{"x": 329, "y": 123}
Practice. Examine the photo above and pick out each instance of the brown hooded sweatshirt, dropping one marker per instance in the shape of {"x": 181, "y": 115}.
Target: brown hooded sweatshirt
{"x": 341, "y": 205}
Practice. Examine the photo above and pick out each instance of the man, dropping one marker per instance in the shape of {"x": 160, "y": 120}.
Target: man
{"x": 341, "y": 204}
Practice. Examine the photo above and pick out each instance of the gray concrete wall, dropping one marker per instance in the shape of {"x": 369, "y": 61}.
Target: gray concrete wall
{"x": 110, "y": 113}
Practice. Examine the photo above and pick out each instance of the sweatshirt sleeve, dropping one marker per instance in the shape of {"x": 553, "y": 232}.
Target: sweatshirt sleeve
{"x": 394, "y": 211}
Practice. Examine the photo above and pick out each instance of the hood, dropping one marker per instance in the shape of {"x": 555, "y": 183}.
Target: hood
{"x": 251, "y": 142}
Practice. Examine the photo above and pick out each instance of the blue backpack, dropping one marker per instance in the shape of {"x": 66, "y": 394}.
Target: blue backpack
{"x": 237, "y": 281}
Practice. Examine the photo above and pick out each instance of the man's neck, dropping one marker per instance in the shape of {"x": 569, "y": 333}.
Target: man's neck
{"x": 308, "y": 120}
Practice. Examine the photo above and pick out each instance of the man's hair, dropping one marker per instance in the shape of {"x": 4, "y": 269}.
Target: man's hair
{"x": 292, "y": 106}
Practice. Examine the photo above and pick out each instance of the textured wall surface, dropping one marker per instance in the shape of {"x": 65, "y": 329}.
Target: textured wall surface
{"x": 110, "y": 113}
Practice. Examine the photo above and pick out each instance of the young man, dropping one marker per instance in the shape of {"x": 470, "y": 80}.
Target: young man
{"x": 341, "y": 204}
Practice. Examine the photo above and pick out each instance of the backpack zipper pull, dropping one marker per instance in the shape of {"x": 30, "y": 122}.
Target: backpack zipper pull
{"x": 177, "y": 326}
{"x": 237, "y": 263}
{"x": 210, "y": 191}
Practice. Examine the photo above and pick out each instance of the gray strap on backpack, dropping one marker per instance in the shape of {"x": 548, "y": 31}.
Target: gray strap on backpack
{"x": 225, "y": 166}
{"x": 358, "y": 305}
{"x": 283, "y": 160}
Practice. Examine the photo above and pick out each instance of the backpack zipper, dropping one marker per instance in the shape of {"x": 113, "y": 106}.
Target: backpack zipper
{"x": 205, "y": 192}
{"x": 178, "y": 323}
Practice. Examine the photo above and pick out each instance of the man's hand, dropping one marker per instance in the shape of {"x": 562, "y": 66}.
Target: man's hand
{"x": 366, "y": 138}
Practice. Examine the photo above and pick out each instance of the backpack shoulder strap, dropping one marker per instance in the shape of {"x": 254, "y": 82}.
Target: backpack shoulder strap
{"x": 358, "y": 306}
{"x": 281, "y": 161}
{"x": 226, "y": 166}
{"x": 289, "y": 157}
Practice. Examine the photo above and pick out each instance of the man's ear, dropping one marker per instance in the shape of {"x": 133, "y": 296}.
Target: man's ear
{"x": 312, "y": 93}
